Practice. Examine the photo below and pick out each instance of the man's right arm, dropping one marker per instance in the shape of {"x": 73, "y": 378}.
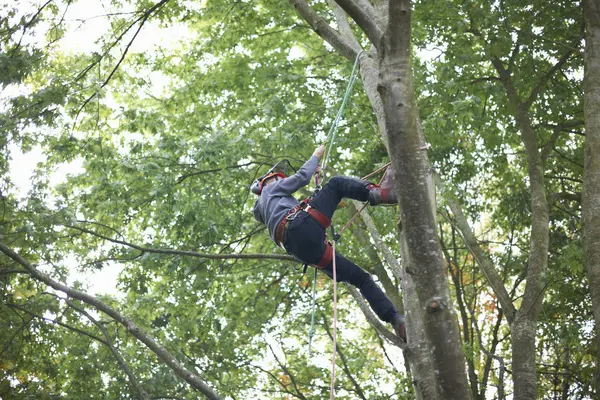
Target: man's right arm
{"x": 302, "y": 177}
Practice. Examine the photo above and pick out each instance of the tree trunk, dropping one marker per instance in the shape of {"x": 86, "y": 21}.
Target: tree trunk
{"x": 431, "y": 321}
{"x": 435, "y": 352}
{"x": 591, "y": 174}
{"x": 524, "y": 328}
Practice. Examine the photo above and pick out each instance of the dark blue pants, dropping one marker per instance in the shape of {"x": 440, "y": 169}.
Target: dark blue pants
{"x": 305, "y": 240}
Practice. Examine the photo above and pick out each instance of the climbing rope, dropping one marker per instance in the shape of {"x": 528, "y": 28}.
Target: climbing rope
{"x": 336, "y": 237}
{"x": 331, "y": 138}
{"x": 336, "y": 122}
{"x": 311, "y": 332}
{"x": 332, "y": 391}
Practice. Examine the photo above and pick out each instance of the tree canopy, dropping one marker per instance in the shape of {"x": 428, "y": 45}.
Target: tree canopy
{"x": 151, "y": 125}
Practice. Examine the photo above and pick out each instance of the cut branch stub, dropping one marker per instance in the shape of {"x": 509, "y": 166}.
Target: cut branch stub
{"x": 436, "y": 304}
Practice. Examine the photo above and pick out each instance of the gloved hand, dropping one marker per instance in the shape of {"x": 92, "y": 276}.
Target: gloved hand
{"x": 319, "y": 151}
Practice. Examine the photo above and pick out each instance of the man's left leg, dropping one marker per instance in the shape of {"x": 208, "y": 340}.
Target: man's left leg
{"x": 347, "y": 271}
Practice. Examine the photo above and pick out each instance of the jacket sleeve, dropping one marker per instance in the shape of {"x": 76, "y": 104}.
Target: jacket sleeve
{"x": 301, "y": 178}
{"x": 256, "y": 212}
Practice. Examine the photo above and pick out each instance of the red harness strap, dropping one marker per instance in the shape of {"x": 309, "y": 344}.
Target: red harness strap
{"x": 318, "y": 216}
{"x": 327, "y": 256}
{"x": 281, "y": 228}
{"x": 321, "y": 218}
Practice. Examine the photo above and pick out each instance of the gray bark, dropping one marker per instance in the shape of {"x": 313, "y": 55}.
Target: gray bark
{"x": 591, "y": 174}
{"x": 427, "y": 295}
{"x": 523, "y": 329}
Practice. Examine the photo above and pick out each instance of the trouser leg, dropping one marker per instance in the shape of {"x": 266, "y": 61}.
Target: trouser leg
{"x": 347, "y": 271}
{"x": 338, "y": 187}
{"x": 305, "y": 240}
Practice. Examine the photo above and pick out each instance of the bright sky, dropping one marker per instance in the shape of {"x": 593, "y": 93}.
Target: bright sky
{"x": 86, "y": 22}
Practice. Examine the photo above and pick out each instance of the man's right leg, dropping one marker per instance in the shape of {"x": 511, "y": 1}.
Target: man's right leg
{"x": 305, "y": 240}
{"x": 347, "y": 271}
{"x": 338, "y": 187}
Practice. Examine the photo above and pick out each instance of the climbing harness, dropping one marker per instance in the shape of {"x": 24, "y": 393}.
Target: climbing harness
{"x": 322, "y": 219}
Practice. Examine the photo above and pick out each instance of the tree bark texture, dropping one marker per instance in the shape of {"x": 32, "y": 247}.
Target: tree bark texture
{"x": 523, "y": 329}
{"x": 591, "y": 174}
{"x": 481, "y": 257}
{"x": 429, "y": 307}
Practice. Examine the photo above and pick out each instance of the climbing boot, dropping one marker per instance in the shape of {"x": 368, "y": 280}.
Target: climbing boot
{"x": 384, "y": 193}
{"x": 399, "y": 326}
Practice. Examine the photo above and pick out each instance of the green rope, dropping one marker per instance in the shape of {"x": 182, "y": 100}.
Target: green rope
{"x": 331, "y": 137}
{"x": 336, "y": 122}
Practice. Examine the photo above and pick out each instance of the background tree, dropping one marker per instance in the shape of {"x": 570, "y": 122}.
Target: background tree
{"x": 591, "y": 176}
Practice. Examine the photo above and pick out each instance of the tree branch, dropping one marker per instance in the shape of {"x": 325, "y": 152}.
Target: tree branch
{"x": 378, "y": 269}
{"x": 363, "y": 13}
{"x": 131, "y": 327}
{"x": 550, "y": 144}
{"x": 322, "y": 28}
{"x": 546, "y": 77}
{"x": 345, "y": 367}
{"x": 506, "y": 80}
{"x": 373, "y": 320}
{"x": 142, "y": 19}
{"x": 133, "y": 380}
{"x": 500, "y": 360}
{"x": 342, "y": 21}
{"x": 213, "y": 170}
{"x": 188, "y": 253}
{"x": 13, "y": 271}
{"x": 379, "y": 243}
{"x": 288, "y": 373}
{"x": 272, "y": 375}
{"x": 54, "y": 321}
{"x": 484, "y": 262}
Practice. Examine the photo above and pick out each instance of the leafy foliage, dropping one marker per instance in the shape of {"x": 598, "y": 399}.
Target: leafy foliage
{"x": 160, "y": 146}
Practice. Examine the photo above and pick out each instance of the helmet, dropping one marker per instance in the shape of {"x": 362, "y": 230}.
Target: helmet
{"x": 257, "y": 185}
{"x": 280, "y": 169}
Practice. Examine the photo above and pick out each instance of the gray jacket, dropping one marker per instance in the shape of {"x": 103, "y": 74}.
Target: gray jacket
{"x": 276, "y": 199}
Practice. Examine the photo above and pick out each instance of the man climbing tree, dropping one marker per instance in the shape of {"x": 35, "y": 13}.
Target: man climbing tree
{"x": 299, "y": 227}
